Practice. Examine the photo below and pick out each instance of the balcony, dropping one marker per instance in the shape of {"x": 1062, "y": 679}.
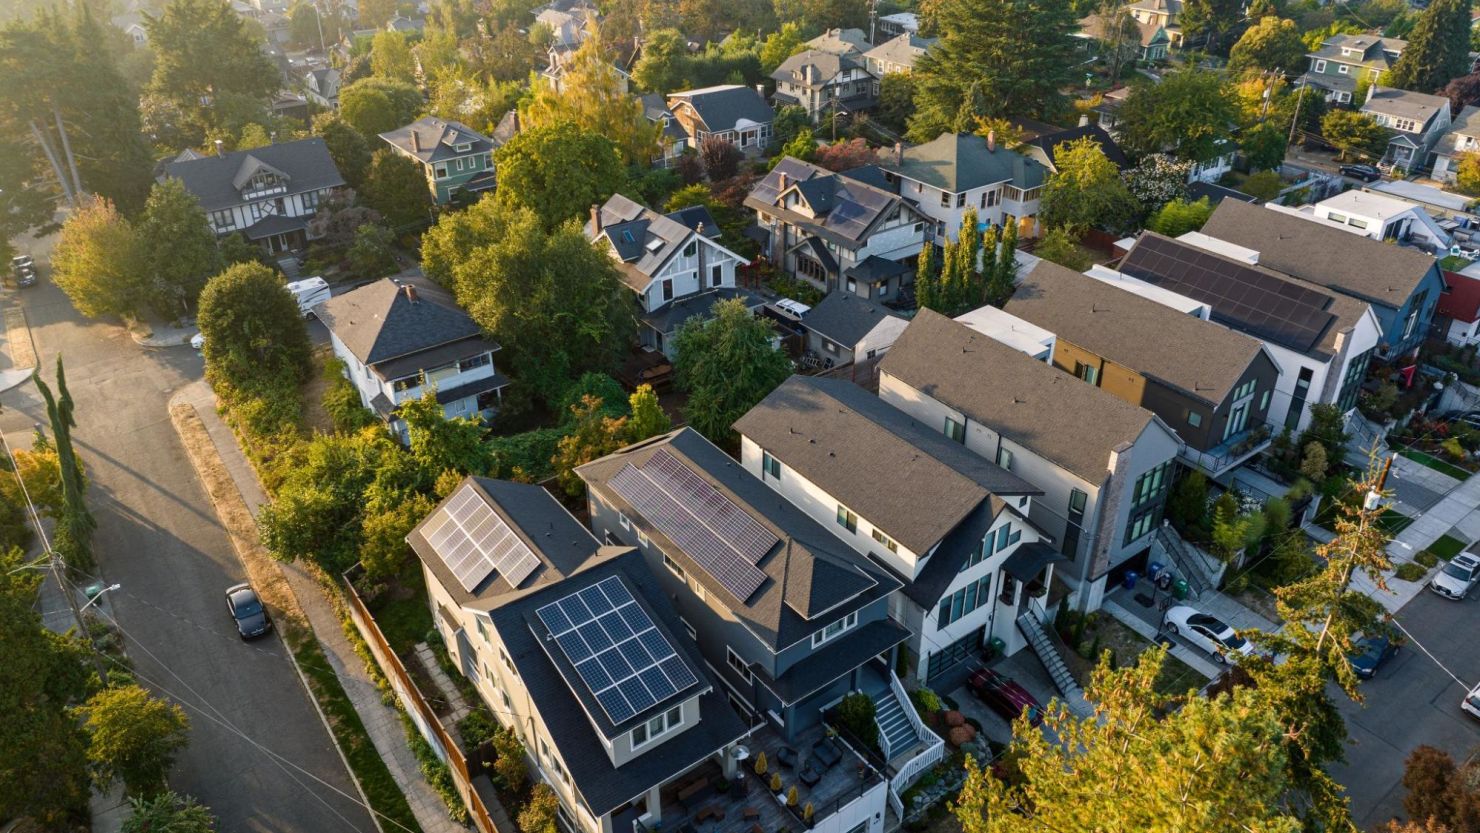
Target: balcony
{"x": 1227, "y": 455}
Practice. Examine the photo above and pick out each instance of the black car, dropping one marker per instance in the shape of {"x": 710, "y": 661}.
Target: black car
{"x": 1366, "y": 173}
{"x": 23, "y": 268}
{"x": 1371, "y": 652}
{"x": 247, "y": 611}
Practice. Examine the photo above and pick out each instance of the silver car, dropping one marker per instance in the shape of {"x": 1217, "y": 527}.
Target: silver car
{"x": 1457, "y": 577}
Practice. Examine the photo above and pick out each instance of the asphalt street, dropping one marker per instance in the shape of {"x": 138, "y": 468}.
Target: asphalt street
{"x": 158, "y": 538}
{"x": 1412, "y": 701}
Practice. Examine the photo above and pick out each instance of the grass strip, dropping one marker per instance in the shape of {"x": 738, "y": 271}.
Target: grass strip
{"x": 1440, "y": 466}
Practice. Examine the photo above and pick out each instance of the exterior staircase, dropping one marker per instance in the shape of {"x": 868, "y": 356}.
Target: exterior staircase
{"x": 1184, "y": 559}
{"x": 896, "y": 732}
{"x": 1048, "y": 648}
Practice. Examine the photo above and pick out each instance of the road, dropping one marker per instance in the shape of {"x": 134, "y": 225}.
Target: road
{"x": 158, "y": 538}
{"x": 1412, "y": 701}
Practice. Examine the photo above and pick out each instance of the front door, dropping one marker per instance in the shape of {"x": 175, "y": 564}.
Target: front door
{"x": 1238, "y": 418}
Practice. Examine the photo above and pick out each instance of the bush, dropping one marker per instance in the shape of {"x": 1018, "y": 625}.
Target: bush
{"x": 856, "y": 714}
{"x": 509, "y": 768}
{"x": 342, "y": 400}
{"x": 476, "y": 728}
{"x": 538, "y": 816}
{"x": 1427, "y": 559}
{"x": 1409, "y": 571}
{"x": 927, "y": 702}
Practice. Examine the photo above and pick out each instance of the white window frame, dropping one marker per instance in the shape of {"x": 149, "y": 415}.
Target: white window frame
{"x": 623, "y": 520}
{"x": 835, "y": 629}
{"x": 1320, "y": 66}
{"x": 657, "y": 726}
{"x": 674, "y": 567}
{"x": 737, "y": 663}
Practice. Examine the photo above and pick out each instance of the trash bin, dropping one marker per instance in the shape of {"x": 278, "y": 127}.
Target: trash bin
{"x": 1153, "y": 570}
{"x": 996, "y": 646}
{"x": 1164, "y": 580}
{"x": 1180, "y": 589}
{"x": 1131, "y": 577}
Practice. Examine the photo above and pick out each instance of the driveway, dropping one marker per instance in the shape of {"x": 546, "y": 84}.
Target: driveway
{"x": 158, "y": 538}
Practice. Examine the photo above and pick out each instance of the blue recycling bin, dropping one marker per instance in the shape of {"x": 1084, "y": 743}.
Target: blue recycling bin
{"x": 1131, "y": 577}
{"x": 1154, "y": 569}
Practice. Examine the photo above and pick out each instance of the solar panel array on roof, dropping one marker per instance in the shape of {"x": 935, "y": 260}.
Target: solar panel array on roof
{"x": 473, "y": 541}
{"x": 1241, "y": 296}
{"x": 725, "y": 541}
{"x": 628, "y": 664}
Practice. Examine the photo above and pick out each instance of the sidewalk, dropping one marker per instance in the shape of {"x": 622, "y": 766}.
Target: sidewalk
{"x": 1456, "y": 508}
{"x": 1195, "y": 660}
{"x": 382, "y": 722}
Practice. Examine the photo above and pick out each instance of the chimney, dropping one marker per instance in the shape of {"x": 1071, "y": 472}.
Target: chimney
{"x": 700, "y": 229}
{"x": 1084, "y": 120}
{"x": 992, "y": 140}
{"x": 595, "y": 219}
{"x": 899, "y": 154}
{"x": 760, "y": 90}
{"x": 410, "y": 292}
{"x": 785, "y": 182}
{"x": 415, "y": 140}
{"x": 220, "y": 148}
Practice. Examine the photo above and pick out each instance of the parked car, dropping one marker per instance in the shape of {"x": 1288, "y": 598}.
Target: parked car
{"x": 309, "y": 293}
{"x": 1371, "y": 652}
{"x": 23, "y": 268}
{"x": 1005, "y": 696}
{"x": 1206, "y": 632}
{"x": 1366, "y": 173}
{"x": 198, "y": 341}
{"x": 1457, "y": 577}
{"x": 1471, "y": 703}
{"x": 247, "y": 611}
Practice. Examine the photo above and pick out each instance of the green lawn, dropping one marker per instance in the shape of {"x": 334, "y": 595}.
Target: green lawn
{"x": 1435, "y": 463}
{"x": 1446, "y": 547}
{"x": 404, "y": 616}
{"x": 1392, "y": 521}
{"x": 1176, "y": 677}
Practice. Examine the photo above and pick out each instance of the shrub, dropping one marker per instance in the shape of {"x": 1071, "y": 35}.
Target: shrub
{"x": 476, "y": 728}
{"x": 538, "y": 815}
{"x": 1427, "y": 559}
{"x": 342, "y": 400}
{"x": 926, "y": 701}
{"x": 856, "y": 714}
{"x": 1409, "y": 571}
{"x": 509, "y": 768}
{"x": 961, "y": 735}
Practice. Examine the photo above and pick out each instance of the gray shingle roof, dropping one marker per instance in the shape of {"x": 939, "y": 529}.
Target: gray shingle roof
{"x": 380, "y": 322}
{"x": 1374, "y": 271}
{"x": 1202, "y": 359}
{"x": 433, "y": 140}
{"x": 669, "y": 317}
{"x": 814, "y": 68}
{"x": 848, "y": 208}
{"x": 1048, "y": 143}
{"x": 960, "y": 162}
{"x": 305, "y": 163}
{"x": 845, "y": 440}
{"x": 1058, "y": 417}
{"x": 1371, "y": 50}
{"x": 1467, "y": 123}
{"x": 774, "y": 612}
{"x": 721, "y": 108}
{"x": 840, "y": 41}
{"x": 1402, "y": 104}
{"x": 643, "y": 239}
{"x": 903, "y": 50}
{"x": 845, "y": 318}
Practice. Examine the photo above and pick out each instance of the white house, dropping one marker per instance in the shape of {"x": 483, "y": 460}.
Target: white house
{"x": 846, "y": 326}
{"x": 1462, "y": 137}
{"x": 732, "y": 112}
{"x": 1382, "y": 217}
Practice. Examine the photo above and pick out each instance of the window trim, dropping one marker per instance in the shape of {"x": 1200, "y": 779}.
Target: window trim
{"x": 847, "y": 519}
{"x": 651, "y": 734}
{"x": 738, "y": 664}
{"x": 827, "y": 634}
{"x": 674, "y": 567}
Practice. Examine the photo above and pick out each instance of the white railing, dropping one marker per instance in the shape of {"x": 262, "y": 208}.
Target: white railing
{"x": 935, "y": 747}
{"x": 903, "y": 698}
{"x": 883, "y": 737}
{"x": 895, "y": 803}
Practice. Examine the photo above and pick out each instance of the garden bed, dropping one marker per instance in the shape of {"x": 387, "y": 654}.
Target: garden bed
{"x": 1103, "y": 632}
{"x": 1446, "y": 547}
{"x": 1438, "y": 465}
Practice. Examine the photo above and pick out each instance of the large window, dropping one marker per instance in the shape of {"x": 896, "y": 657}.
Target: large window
{"x": 1151, "y": 485}
{"x": 674, "y": 568}
{"x": 1142, "y": 522}
{"x": 1004, "y": 458}
{"x": 657, "y": 727}
{"x": 955, "y": 430}
{"x": 1078, "y": 500}
{"x": 963, "y": 601}
{"x": 834, "y": 629}
{"x": 847, "y": 519}
{"x": 1087, "y": 372}
{"x": 1297, "y": 399}
{"x": 889, "y": 543}
{"x": 770, "y": 466}
{"x": 738, "y": 665}
{"x": 1414, "y": 310}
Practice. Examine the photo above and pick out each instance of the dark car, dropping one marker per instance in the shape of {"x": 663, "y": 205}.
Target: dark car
{"x": 23, "y": 268}
{"x": 1371, "y": 652}
{"x": 1366, "y": 173}
{"x": 247, "y": 611}
{"x": 1005, "y": 696}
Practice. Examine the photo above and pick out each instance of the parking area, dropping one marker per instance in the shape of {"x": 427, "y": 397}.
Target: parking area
{"x": 1022, "y": 667}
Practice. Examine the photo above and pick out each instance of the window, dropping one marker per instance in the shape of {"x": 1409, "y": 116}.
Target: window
{"x": 989, "y": 198}
{"x": 508, "y": 663}
{"x": 622, "y": 519}
{"x": 963, "y": 601}
{"x": 1004, "y": 458}
{"x": 738, "y": 665}
{"x": 1297, "y": 399}
{"x": 222, "y": 219}
{"x": 667, "y": 287}
{"x": 847, "y": 519}
{"x": 441, "y": 171}
{"x": 1151, "y": 485}
{"x": 657, "y": 727}
{"x": 960, "y": 200}
{"x": 945, "y": 199}
{"x": 471, "y": 362}
{"x": 889, "y": 543}
{"x": 852, "y": 285}
{"x": 1406, "y": 125}
{"x": 642, "y": 540}
{"x": 482, "y": 629}
{"x": 956, "y": 430}
{"x": 457, "y": 164}
{"x": 1087, "y": 372}
{"x": 982, "y": 553}
{"x": 674, "y": 568}
{"x": 1411, "y": 321}
{"x": 1343, "y": 69}
{"x": 1142, "y": 522}
{"x": 883, "y": 289}
{"x": 1320, "y": 66}
{"x": 1078, "y": 500}
{"x": 716, "y": 275}
{"x": 1194, "y": 419}
{"x": 1264, "y": 401}
{"x": 691, "y": 249}
{"x": 770, "y": 466}
{"x": 835, "y": 628}
{"x": 830, "y": 347}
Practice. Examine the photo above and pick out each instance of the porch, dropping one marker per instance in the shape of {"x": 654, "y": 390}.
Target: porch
{"x": 1233, "y": 451}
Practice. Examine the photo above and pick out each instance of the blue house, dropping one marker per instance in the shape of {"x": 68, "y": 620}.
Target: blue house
{"x": 1402, "y": 284}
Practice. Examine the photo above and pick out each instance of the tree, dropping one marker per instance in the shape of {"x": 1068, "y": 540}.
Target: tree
{"x": 1116, "y": 29}
{"x": 1353, "y": 134}
{"x": 1467, "y": 173}
{"x": 179, "y": 246}
{"x": 726, "y": 365}
{"x": 1210, "y": 20}
{"x": 802, "y": 146}
{"x": 168, "y": 812}
{"x": 896, "y": 100}
{"x": 1264, "y": 145}
{"x": 1314, "y": 464}
{"x": 538, "y": 815}
{"x": 390, "y": 57}
{"x": 1087, "y": 191}
{"x": 648, "y": 417}
{"x": 720, "y": 157}
{"x": 396, "y": 187}
{"x": 254, "y": 332}
{"x": 1178, "y": 217}
{"x": 1157, "y": 180}
{"x": 97, "y": 262}
{"x": 1463, "y": 92}
{"x": 1269, "y": 45}
{"x": 347, "y": 147}
{"x": 72, "y": 537}
{"x": 370, "y": 256}
{"x": 593, "y": 97}
{"x": 375, "y": 14}
{"x": 593, "y": 435}
{"x": 1136, "y": 763}
{"x": 509, "y": 767}
{"x": 845, "y": 155}
{"x": 558, "y": 171}
{"x": 661, "y": 67}
{"x": 1058, "y": 245}
{"x": 318, "y": 510}
{"x": 1427, "y": 775}
{"x": 133, "y": 737}
{"x": 378, "y": 105}
{"x": 994, "y": 58}
{"x": 1189, "y": 114}
{"x": 303, "y": 25}
{"x": 556, "y": 304}
{"x": 780, "y": 45}
{"x": 202, "y": 51}
{"x": 1264, "y": 185}
{"x": 1002, "y": 281}
{"x": 1438, "y": 48}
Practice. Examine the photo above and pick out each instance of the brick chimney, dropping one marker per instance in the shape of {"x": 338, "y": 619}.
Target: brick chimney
{"x": 415, "y": 140}
{"x": 410, "y": 292}
{"x": 899, "y": 154}
{"x": 220, "y": 148}
{"x": 992, "y": 140}
{"x": 785, "y": 182}
{"x": 595, "y": 219}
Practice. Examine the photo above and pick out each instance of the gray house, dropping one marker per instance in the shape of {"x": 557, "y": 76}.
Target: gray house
{"x": 846, "y": 326}
{"x": 1103, "y": 466}
{"x": 1344, "y": 60}
{"x": 455, "y": 158}
{"x": 824, "y": 83}
{"x": 732, "y": 112}
{"x": 1417, "y": 121}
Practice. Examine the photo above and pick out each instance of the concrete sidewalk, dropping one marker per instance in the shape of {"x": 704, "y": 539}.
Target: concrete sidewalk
{"x": 1456, "y": 509}
{"x": 382, "y": 722}
{"x": 1197, "y": 661}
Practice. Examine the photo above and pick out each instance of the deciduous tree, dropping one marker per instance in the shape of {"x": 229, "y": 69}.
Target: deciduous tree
{"x": 396, "y": 187}
{"x": 593, "y": 434}
{"x": 726, "y": 364}
{"x": 1467, "y": 173}
{"x": 378, "y": 105}
{"x": 1354, "y": 134}
{"x": 347, "y": 147}
{"x": 1463, "y": 92}
{"x": 720, "y": 157}
{"x": 661, "y": 67}
{"x": 390, "y": 57}
{"x": 1058, "y": 245}
{"x": 133, "y": 737}
{"x": 1178, "y": 217}
{"x": 1271, "y": 44}
{"x": 780, "y": 45}
{"x": 1087, "y": 191}
{"x": 1212, "y": 21}
{"x": 254, "y": 332}
{"x": 168, "y": 812}
{"x": 178, "y": 245}
{"x": 1190, "y": 114}
{"x": 593, "y": 97}
{"x": 558, "y": 171}
{"x": 202, "y": 51}
{"x": 97, "y": 262}
{"x": 648, "y": 417}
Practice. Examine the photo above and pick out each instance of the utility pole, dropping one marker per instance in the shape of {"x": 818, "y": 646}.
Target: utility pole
{"x": 1296, "y": 119}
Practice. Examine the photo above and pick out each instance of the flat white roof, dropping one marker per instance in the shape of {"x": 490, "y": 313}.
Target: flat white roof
{"x": 1366, "y": 204}
{"x": 1150, "y": 292}
{"x": 1010, "y": 330}
{"x": 1426, "y": 194}
{"x": 1220, "y": 247}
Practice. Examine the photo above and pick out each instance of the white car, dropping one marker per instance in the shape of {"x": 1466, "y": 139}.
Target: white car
{"x": 198, "y": 341}
{"x": 1471, "y": 703}
{"x": 1206, "y": 632}
{"x": 1457, "y": 577}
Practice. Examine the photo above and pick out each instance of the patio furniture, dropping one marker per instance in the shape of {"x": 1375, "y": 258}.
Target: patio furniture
{"x": 694, "y": 792}
{"x": 827, "y": 753}
{"x": 787, "y": 757}
{"x": 750, "y": 814}
{"x": 710, "y": 811}
{"x": 809, "y": 773}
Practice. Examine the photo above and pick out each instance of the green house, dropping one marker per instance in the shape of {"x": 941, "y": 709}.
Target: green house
{"x": 454, "y": 156}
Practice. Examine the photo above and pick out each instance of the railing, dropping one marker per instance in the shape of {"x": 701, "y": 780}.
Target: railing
{"x": 1176, "y": 551}
{"x": 921, "y": 730}
{"x": 896, "y": 804}
{"x": 1231, "y": 451}
{"x": 918, "y": 765}
{"x": 1050, "y": 649}
{"x": 883, "y": 737}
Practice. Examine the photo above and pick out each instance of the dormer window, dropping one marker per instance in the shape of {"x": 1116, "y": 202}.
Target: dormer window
{"x": 464, "y": 147}
{"x": 657, "y": 727}
{"x": 835, "y": 629}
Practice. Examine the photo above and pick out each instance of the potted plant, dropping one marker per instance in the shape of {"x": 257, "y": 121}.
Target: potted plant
{"x": 760, "y": 764}
{"x": 791, "y": 796}
{"x": 776, "y": 783}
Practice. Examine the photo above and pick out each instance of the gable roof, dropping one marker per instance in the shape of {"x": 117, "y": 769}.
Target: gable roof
{"x": 841, "y": 437}
{"x": 846, "y": 318}
{"x": 814, "y": 68}
{"x": 903, "y": 50}
{"x": 726, "y": 107}
{"x": 1056, "y": 416}
{"x": 1045, "y": 146}
{"x": 433, "y": 140}
{"x": 381, "y": 322}
{"x": 644, "y": 240}
{"x": 1466, "y": 124}
{"x": 213, "y": 179}
{"x": 1402, "y": 104}
{"x": 1202, "y": 359}
{"x": 777, "y": 612}
{"x": 958, "y": 162}
{"x": 841, "y": 41}
{"x": 1374, "y": 271}
{"x": 847, "y": 208}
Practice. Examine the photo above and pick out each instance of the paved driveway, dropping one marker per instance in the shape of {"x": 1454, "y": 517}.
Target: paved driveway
{"x": 158, "y": 537}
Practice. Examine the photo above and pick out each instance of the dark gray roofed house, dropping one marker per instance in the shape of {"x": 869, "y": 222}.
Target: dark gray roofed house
{"x": 847, "y": 326}
{"x": 897, "y": 55}
{"x": 395, "y": 339}
{"x": 733, "y": 112}
{"x": 455, "y": 156}
{"x": 674, "y": 139}
{"x": 1416, "y": 122}
{"x": 821, "y": 81}
{"x": 1044, "y": 147}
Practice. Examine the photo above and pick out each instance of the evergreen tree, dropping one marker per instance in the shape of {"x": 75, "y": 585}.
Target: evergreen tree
{"x": 991, "y": 243}
{"x": 925, "y": 292}
{"x": 1438, "y": 49}
{"x": 971, "y": 251}
{"x": 178, "y": 246}
{"x": 72, "y": 538}
{"x": 203, "y": 52}
{"x": 1003, "y": 280}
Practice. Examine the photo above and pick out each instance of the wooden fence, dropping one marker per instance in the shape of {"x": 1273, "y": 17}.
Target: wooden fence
{"x": 417, "y": 708}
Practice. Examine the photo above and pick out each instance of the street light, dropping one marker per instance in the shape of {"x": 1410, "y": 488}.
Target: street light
{"x": 97, "y": 595}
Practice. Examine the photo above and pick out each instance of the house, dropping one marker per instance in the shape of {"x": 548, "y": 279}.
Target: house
{"x": 1164, "y": 14}
{"x": 532, "y": 611}
{"x": 569, "y": 23}
{"x": 1044, "y": 147}
{"x": 1343, "y": 61}
{"x": 673, "y": 263}
{"x": 1212, "y": 385}
{"x": 398, "y": 340}
{"x": 1416, "y": 121}
{"x": 1108, "y": 110}
{"x": 850, "y": 42}
{"x": 131, "y": 23}
{"x": 1382, "y": 217}
{"x": 1458, "y": 315}
{"x": 951, "y": 526}
{"x": 896, "y": 55}
{"x": 1321, "y": 340}
{"x": 322, "y": 87}
{"x": 1151, "y": 42}
{"x": 732, "y": 112}
{"x": 559, "y": 60}
{"x": 824, "y": 83}
{"x": 942, "y": 178}
{"x": 405, "y": 25}
{"x": 1400, "y": 283}
{"x": 1104, "y": 466}
{"x": 899, "y": 23}
{"x": 1030, "y": 339}
{"x": 267, "y": 194}
{"x": 673, "y": 140}
{"x": 826, "y": 227}
{"x": 1445, "y": 205}
{"x": 787, "y": 616}
{"x": 1462, "y": 137}
{"x": 456, "y": 158}
{"x": 846, "y": 327}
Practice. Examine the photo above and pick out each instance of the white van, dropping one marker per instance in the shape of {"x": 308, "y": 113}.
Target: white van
{"x": 309, "y": 293}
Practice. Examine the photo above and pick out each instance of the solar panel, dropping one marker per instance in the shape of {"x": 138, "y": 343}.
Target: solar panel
{"x": 473, "y": 541}
{"x": 628, "y": 674}
{"x": 702, "y": 522}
